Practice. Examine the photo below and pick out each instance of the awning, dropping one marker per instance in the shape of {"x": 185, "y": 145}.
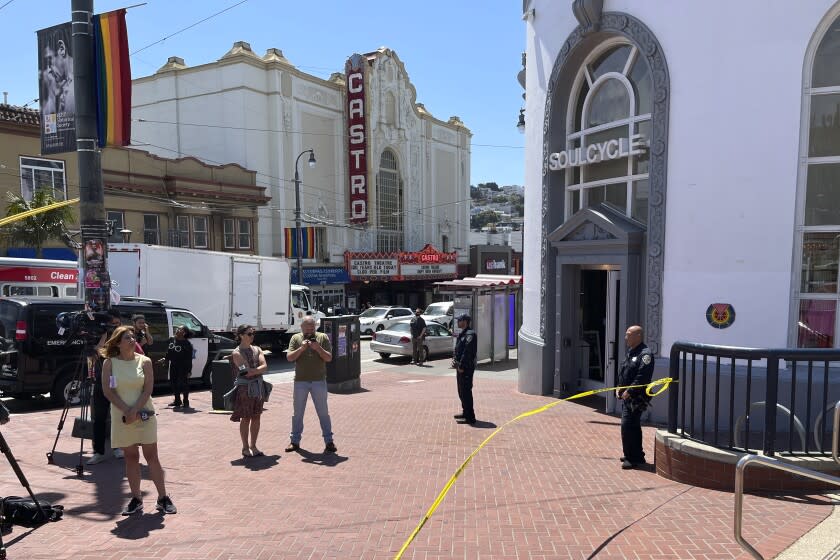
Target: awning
{"x": 481, "y": 281}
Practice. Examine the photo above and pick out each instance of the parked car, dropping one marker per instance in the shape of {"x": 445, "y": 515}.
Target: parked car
{"x": 440, "y": 312}
{"x": 396, "y": 339}
{"x": 36, "y": 359}
{"x": 378, "y": 318}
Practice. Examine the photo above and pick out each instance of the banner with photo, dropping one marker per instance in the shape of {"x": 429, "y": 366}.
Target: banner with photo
{"x": 55, "y": 82}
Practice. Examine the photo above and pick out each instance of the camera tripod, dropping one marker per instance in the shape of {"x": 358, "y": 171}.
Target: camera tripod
{"x": 81, "y": 386}
{"x": 4, "y": 448}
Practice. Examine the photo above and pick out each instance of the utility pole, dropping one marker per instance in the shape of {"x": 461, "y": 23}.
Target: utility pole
{"x": 94, "y": 251}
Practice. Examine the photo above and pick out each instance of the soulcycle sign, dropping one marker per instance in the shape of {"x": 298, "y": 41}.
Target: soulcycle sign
{"x": 616, "y": 148}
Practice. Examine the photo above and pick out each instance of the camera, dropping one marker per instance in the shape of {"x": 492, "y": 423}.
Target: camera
{"x": 243, "y": 369}
{"x": 309, "y": 337}
{"x": 86, "y": 324}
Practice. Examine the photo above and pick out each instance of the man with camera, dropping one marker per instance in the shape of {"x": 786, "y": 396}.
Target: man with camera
{"x": 310, "y": 351}
{"x": 101, "y": 407}
{"x": 144, "y": 335}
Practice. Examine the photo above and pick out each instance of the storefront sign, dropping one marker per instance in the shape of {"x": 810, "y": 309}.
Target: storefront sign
{"x": 322, "y": 274}
{"x": 495, "y": 265}
{"x": 427, "y": 269}
{"x": 373, "y": 267}
{"x": 357, "y": 134}
{"x": 427, "y": 263}
{"x": 616, "y": 148}
{"x": 720, "y": 315}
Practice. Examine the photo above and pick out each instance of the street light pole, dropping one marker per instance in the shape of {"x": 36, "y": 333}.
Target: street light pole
{"x": 94, "y": 251}
{"x": 298, "y": 232}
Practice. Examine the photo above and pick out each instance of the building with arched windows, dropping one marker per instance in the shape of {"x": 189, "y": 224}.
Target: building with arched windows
{"x": 682, "y": 173}
{"x": 390, "y": 184}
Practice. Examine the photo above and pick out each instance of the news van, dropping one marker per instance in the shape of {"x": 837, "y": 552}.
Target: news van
{"x": 35, "y": 359}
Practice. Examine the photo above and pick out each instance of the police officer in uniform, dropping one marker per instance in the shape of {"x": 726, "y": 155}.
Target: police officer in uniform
{"x": 637, "y": 369}
{"x": 464, "y": 363}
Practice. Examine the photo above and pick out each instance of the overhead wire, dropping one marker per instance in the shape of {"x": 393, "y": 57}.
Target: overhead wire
{"x": 199, "y": 22}
{"x": 291, "y": 131}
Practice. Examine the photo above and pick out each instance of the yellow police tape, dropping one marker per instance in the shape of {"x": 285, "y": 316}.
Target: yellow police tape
{"x": 662, "y": 385}
{"x": 29, "y": 213}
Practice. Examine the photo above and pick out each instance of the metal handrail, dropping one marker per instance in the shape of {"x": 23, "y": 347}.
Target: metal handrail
{"x": 747, "y": 460}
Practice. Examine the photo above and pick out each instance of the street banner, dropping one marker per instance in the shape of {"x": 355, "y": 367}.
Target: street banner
{"x": 55, "y": 83}
{"x": 113, "y": 79}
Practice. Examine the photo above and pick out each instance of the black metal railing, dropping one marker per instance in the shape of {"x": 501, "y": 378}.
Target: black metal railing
{"x": 732, "y": 397}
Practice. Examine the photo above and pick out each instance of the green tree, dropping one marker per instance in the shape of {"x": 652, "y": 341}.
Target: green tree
{"x": 484, "y": 218}
{"x": 36, "y": 230}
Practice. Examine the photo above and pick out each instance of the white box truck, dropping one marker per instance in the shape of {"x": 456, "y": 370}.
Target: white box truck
{"x": 224, "y": 290}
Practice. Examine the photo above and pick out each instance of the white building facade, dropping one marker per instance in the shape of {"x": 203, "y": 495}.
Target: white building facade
{"x": 683, "y": 173}
{"x": 262, "y": 113}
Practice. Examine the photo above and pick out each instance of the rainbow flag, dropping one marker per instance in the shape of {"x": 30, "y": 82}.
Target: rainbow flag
{"x": 113, "y": 79}
{"x": 308, "y": 237}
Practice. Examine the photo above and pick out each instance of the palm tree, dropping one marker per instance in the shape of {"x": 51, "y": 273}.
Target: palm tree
{"x": 36, "y": 230}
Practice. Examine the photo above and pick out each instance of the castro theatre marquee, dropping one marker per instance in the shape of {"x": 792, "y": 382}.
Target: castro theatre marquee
{"x": 680, "y": 177}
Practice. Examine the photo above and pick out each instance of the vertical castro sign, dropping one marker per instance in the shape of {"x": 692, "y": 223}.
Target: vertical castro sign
{"x": 357, "y": 135}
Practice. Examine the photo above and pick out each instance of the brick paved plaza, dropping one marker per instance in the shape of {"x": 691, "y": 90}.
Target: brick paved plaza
{"x": 547, "y": 487}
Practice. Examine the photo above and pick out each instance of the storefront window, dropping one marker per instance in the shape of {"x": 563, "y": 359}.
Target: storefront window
{"x": 815, "y": 328}
{"x": 826, "y": 70}
{"x": 824, "y": 137}
{"x": 822, "y": 195}
{"x": 816, "y": 271}
{"x": 610, "y": 103}
{"x": 611, "y": 61}
{"x": 819, "y": 263}
{"x": 607, "y": 151}
{"x": 640, "y": 201}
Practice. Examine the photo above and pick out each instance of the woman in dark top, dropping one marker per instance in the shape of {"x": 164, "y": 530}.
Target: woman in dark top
{"x": 248, "y": 364}
{"x": 180, "y": 356}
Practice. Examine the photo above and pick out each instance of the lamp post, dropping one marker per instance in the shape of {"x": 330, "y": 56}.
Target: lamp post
{"x": 520, "y": 125}
{"x": 298, "y": 233}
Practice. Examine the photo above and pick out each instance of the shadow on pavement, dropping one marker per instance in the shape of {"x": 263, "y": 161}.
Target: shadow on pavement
{"x": 138, "y": 526}
{"x": 353, "y": 392}
{"x": 503, "y": 365}
{"x": 323, "y": 459}
{"x": 256, "y": 463}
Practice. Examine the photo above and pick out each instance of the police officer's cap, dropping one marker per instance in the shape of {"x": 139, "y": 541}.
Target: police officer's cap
{"x": 464, "y": 317}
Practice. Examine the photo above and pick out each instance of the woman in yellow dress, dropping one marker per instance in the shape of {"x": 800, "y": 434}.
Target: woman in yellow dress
{"x": 127, "y": 381}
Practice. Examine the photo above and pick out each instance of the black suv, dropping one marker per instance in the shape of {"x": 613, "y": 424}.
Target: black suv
{"x": 35, "y": 359}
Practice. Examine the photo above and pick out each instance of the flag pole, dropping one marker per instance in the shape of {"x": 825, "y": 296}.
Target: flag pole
{"x": 94, "y": 250}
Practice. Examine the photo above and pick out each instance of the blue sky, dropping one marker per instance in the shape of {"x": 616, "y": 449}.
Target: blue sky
{"x": 461, "y": 55}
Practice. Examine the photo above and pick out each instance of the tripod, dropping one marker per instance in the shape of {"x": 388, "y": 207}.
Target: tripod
{"x": 4, "y": 448}
{"x": 81, "y": 387}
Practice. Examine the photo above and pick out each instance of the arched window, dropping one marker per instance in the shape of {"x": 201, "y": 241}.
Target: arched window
{"x": 816, "y": 295}
{"x": 606, "y": 158}
{"x": 389, "y": 204}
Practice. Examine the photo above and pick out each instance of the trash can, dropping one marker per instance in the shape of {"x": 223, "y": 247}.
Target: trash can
{"x": 345, "y": 370}
{"x": 222, "y": 382}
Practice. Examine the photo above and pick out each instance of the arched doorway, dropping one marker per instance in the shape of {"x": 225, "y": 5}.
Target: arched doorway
{"x": 603, "y": 199}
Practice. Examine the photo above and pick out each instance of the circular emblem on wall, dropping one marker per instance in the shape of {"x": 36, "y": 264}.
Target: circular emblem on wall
{"x": 720, "y": 315}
